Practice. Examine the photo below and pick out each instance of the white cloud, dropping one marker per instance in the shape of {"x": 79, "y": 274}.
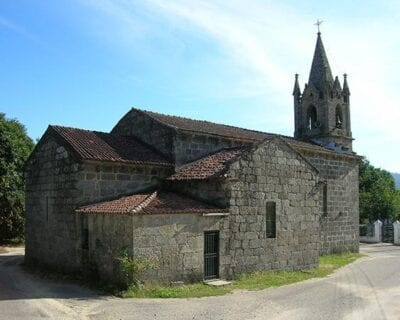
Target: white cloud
{"x": 269, "y": 42}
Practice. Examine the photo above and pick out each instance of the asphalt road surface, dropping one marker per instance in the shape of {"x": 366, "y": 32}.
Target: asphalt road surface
{"x": 366, "y": 289}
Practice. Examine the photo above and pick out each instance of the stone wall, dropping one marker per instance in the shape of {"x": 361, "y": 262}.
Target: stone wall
{"x": 339, "y": 224}
{"x": 179, "y": 146}
{"x": 56, "y": 184}
{"x": 109, "y": 236}
{"x": 100, "y": 180}
{"x": 273, "y": 172}
{"x": 192, "y": 146}
{"x": 174, "y": 243}
{"x": 148, "y": 130}
{"x": 212, "y": 191}
{"x": 51, "y": 193}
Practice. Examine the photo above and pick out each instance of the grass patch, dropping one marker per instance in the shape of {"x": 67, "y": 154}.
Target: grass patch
{"x": 195, "y": 290}
{"x": 253, "y": 281}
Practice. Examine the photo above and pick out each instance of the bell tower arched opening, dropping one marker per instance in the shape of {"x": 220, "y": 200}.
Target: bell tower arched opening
{"x": 338, "y": 117}
{"x": 312, "y": 119}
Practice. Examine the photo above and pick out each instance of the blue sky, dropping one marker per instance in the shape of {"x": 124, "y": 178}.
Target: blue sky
{"x": 85, "y": 63}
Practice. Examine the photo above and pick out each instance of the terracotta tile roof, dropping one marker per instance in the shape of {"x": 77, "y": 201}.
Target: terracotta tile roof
{"x": 298, "y": 144}
{"x": 206, "y": 127}
{"x": 214, "y": 165}
{"x": 302, "y": 146}
{"x": 101, "y": 146}
{"x": 158, "y": 202}
{"x": 210, "y": 166}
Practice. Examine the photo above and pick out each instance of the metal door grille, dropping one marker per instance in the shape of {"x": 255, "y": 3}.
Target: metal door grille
{"x": 387, "y": 231}
{"x": 211, "y": 255}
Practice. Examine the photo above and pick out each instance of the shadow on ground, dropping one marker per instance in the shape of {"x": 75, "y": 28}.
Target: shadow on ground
{"x": 18, "y": 283}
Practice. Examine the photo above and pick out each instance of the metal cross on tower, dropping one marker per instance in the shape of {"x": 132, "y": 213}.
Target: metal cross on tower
{"x": 318, "y": 23}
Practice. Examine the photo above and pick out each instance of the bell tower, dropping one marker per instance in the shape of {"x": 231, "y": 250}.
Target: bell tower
{"x": 322, "y": 111}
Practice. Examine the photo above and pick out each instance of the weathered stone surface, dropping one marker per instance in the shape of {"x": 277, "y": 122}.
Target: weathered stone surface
{"x": 339, "y": 224}
{"x": 56, "y": 184}
{"x": 297, "y": 242}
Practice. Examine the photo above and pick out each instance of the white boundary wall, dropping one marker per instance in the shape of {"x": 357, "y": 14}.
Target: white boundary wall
{"x": 377, "y": 236}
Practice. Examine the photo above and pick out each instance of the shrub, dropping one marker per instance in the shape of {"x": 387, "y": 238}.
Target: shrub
{"x": 132, "y": 269}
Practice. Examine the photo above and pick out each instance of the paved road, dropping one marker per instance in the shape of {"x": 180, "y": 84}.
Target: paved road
{"x": 366, "y": 289}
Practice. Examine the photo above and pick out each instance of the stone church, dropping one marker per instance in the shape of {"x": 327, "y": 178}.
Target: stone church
{"x": 201, "y": 200}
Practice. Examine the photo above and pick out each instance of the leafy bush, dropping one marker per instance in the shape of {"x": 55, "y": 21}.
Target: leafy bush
{"x": 379, "y": 198}
{"x": 15, "y": 147}
{"x": 132, "y": 269}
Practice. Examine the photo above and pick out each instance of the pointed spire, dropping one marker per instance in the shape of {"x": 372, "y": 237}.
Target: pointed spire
{"x": 320, "y": 73}
{"x": 345, "y": 85}
{"x": 336, "y": 84}
{"x": 296, "y": 89}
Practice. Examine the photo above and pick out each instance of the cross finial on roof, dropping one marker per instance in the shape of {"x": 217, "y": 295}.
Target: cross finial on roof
{"x": 318, "y": 23}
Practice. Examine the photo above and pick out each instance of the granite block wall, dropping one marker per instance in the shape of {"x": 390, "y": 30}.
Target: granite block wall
{"x": 178, "y": 145}
{"x": 56, "y": 184}
{"x": 340, "y": 222}
{"x": 101, "y": 181}
{"x": 273, "y": 173}
{"x": 174, "y": 243}
{"x": 109, "y": 236}
{"x": 192, "y": 146}
{"x": 148, "y": 130}
{"x": 51, "y": 235}
{"x": 212, "y": 191}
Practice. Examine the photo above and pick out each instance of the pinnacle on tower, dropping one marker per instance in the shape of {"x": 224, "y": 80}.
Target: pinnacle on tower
{"x": 296, "y": 89}
{"x": 336, "y": 84}
{"x": 346, "y": 89}
{"x": 320, "y": 74}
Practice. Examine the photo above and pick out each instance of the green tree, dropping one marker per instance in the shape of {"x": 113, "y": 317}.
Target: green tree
{"x": 379, "y": 198}
{"x": 15, "y": 147}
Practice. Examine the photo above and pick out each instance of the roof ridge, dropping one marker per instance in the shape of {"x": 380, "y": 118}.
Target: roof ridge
{"x": 96, "y": 131}
{"x": 106, "y": 146}
{"x": 148, "y": 112}
{"x": 53, "y": 126}
{"x": 144, "y": 203}
{"x": 209, "y": 155}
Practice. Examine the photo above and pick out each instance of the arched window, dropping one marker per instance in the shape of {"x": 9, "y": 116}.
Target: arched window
{"x": 311, "y": 117}
{"x": 339, "y": 117}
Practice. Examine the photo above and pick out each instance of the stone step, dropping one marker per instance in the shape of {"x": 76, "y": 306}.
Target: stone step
{"x": 217, "y": 283}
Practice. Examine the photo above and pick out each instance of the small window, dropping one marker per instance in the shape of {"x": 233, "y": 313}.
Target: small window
{"x": 47, "y": 208}
{"x": 325, "y": 200}
{"x": 270, "y": 219}
{"x": 85, "y": 239}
